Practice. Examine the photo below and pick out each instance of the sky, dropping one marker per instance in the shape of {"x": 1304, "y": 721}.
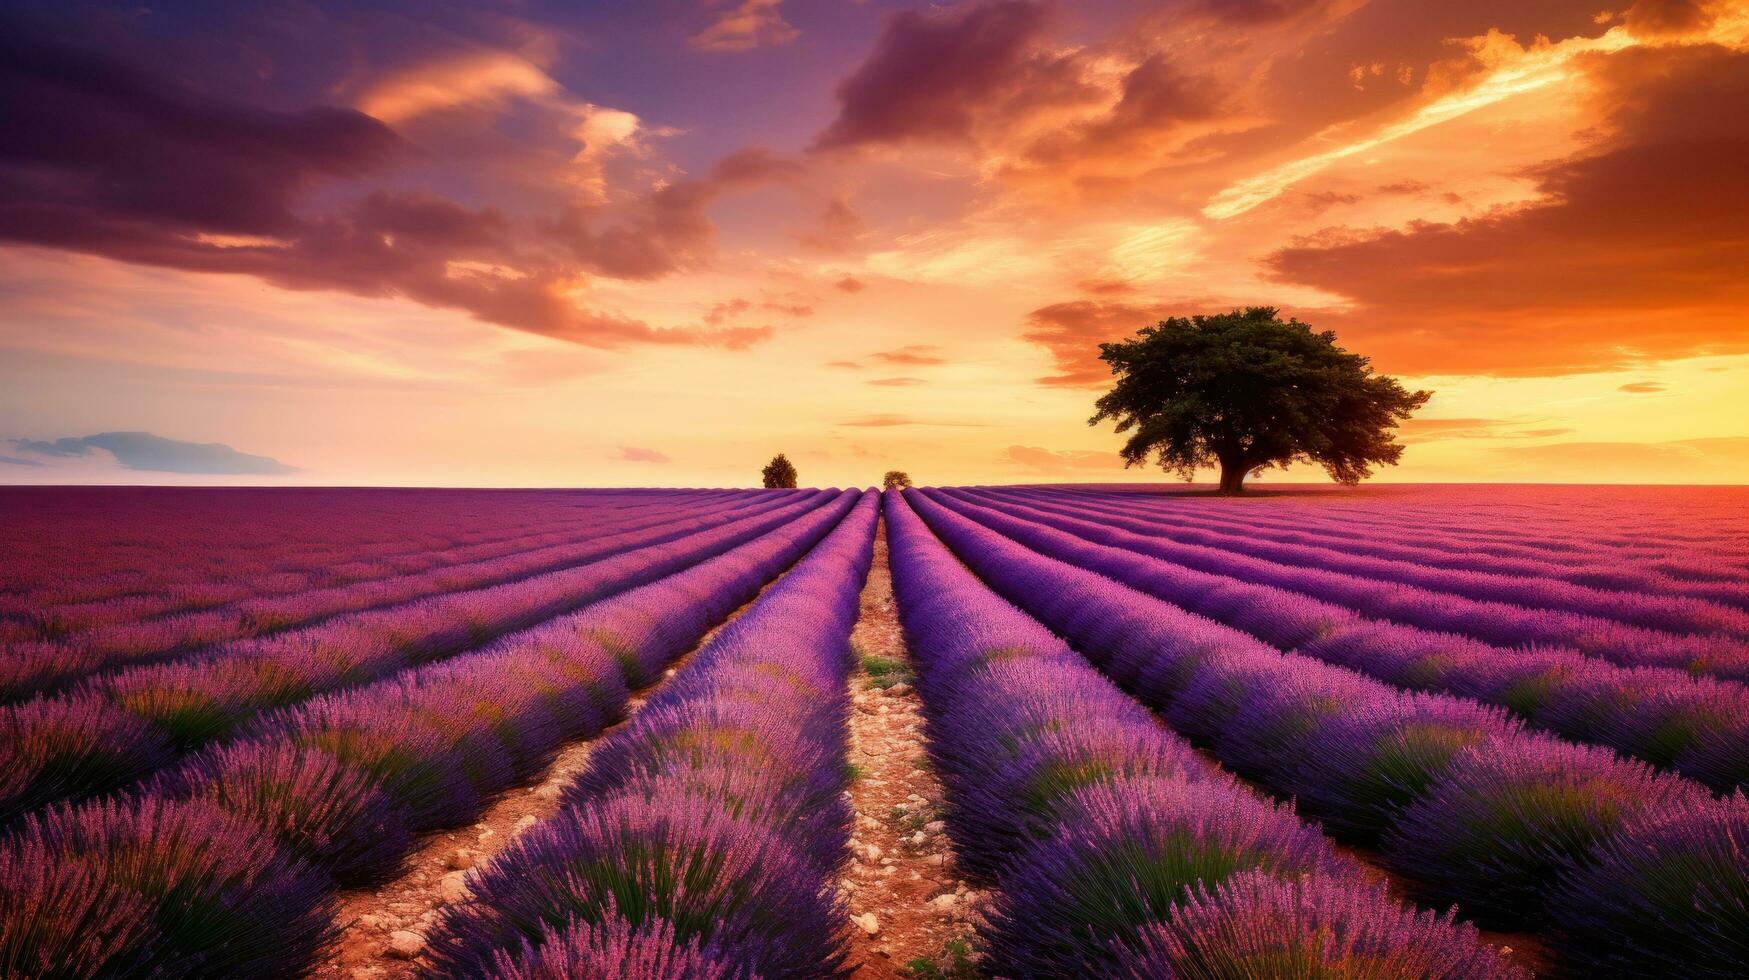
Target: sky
{"x": 543, "y": 243}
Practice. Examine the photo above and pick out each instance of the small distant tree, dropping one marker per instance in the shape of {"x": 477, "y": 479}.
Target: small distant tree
{"x": 1246, "y": 391}
{"x": 896, "y": 479}
{"x": 779, "y": 474}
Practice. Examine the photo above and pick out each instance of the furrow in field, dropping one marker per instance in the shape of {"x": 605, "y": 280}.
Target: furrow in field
{"x": 1521, "y": 830}
{"x": 1491, "y": 622}
{"x": 382, "y": 930}
{"x": 1674, "y": 611}
{"x": 1614, "y": 569}
{"x": 212, "y": 538}
{"x": 906, "y": 897}
{"x": 1697, "y": 726}
{"x": 130, "y": 724}
{"x": 54, "y": 665}
{"x": 334, "y": 791}
{"x": 1114, "y": 847}
{"x": 204, "y": 600}
{"x": 707, "y": 833}
{"x": 1510, "y": 534}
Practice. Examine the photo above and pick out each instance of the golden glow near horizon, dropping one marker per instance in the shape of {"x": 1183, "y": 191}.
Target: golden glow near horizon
{"x": 498, "y": 258}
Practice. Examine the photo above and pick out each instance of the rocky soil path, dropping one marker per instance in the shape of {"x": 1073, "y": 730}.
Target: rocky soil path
{"x": 912, "y": 912}
{"x": 384, "y": 930}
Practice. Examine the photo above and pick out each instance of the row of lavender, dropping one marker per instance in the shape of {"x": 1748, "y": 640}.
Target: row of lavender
{"x": 1653, "y": 601}
{"x": 1717, "y": 652}
{"x": 1698, "y": 726}
{"x": 124, "y": 725}
{"x": 124, "y": 533}
{"x": 1663, "y": 539}
{"x": 1118, "y": 851}
{"x": 173, "y": 586}
{"x": 46, "y": 665}
{"x": 1668, "y": 567}
{"x": 704, "y": 838}
{"x": 1633, "y": 872}
{"x": 227, "y": 865}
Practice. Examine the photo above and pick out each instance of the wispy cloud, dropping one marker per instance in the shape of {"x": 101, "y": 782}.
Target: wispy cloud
{"x": 156, "y": 454}
{"x": 638, "y": 454}
{"x": 891, "y": 421}
{"x": 911, "y": 354}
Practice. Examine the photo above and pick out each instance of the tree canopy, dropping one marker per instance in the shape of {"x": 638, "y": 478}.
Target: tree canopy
{"x": 779, "y": 474}
{"x": 896, "y": 478}
{"x": 1245, "y": 391}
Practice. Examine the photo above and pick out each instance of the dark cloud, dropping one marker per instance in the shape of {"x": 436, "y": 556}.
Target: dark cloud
{"x": 101, "y": 150}
{"x": 1257, "y": 11}
{"x": 897, "y": 382}
{"x": 850, "y": 284}
{"x": 15, "y": 461}
{"x": 1157, "y": 97}
{"x": 102, "y": 157}
{"x": 844, "y": 365}
{"x": 1620, "y": 263}
{"x": 911, "y": 354}
{"x": 156, "y": 454}
{"x": 1650, "y": 18}
{"x": 930, "y": 72}
{"x": 1641, "y": 387}
{"x": 637, "y": 454}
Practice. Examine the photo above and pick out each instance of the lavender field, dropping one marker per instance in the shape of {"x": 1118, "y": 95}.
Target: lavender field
{"x": 1120, "y": 731}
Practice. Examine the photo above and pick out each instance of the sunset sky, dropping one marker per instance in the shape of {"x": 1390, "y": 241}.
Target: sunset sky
{"x": 652, "y": 243}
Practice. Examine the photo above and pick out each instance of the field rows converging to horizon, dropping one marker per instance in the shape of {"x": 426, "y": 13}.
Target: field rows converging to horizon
{"x": 1114, "y": 731}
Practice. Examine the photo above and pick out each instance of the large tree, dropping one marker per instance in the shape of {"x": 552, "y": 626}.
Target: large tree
{"x": 1246, "y": 391}
{"x": 779, "y": 474}
{"x": 896, "y": 479}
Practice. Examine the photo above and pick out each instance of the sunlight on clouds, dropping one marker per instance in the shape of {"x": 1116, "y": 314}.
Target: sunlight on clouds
{"x": 1528, "y": 70}
{"x": 477, "y": 80}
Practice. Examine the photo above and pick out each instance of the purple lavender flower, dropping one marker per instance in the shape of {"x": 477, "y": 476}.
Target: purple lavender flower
{"x": 1126, "y": 853}
{"x": 1667, "y": 896}
{"x": 1255, "y": 924}
{"x": 1494, "y": 831}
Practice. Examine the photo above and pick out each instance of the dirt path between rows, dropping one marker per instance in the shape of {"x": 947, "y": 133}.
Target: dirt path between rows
{"x": 906, "y": 898}
{"x": 383, "y": 930}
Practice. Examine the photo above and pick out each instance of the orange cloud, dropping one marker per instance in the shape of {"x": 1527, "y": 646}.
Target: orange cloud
{"x": 911, "y": 354}
{"x": 1073, "y": 331}
{"x": 1619, "y": 263}
{"x": 753, "y": 24}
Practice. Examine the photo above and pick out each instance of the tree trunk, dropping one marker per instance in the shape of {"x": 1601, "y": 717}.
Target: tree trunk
{"x": 1233, "y": 476}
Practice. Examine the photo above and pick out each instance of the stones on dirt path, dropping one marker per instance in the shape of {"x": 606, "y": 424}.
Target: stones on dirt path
{"x": 453, "y": 887}
{"x": 867, "y": 923}
{"x": 523, "y": 824}
{"x": 463, "y": 859}
{"x": 404, "y": 945}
